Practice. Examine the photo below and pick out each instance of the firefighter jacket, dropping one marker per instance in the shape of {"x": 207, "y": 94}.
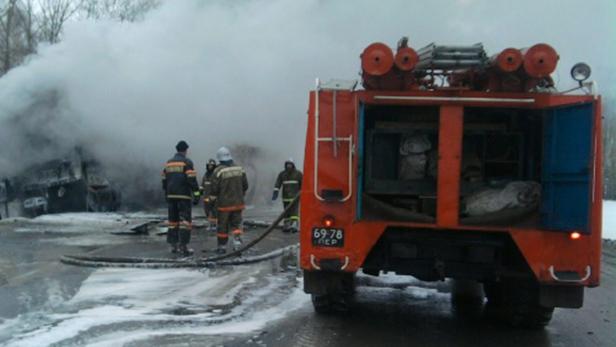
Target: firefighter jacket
{"x": 206, "y": 183}
{"x": 290, "y": 182}
{"x": 180, "y": 178}
{"x": 229, "y": 183}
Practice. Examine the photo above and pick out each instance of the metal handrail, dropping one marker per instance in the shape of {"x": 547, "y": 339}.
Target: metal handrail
{"x": 334, "y": 139}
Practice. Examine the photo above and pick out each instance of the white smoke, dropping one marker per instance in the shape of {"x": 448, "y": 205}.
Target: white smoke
{"x": 221, "y": 73}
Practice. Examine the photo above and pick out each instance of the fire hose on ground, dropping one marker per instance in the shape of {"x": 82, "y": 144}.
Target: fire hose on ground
{"x": 169, "y": 263}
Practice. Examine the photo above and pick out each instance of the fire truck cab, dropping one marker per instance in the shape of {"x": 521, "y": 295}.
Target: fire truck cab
{"x": 496, "y": 186}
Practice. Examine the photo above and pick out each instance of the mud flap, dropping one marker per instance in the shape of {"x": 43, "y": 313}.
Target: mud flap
{"x": 561, "y": 296}
{"x": 328, "y": 282}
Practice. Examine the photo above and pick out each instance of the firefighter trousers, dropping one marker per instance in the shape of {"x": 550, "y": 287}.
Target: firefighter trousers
{"x": 180, "y": 221}
{"x": 228, "y": 222}
{"x": 292, "y": 216}
{"x": 209, "y": 208}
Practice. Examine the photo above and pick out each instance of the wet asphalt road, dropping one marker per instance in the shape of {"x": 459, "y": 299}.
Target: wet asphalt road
{"x": 385, "y": 313}
{"x": 410, "y": 316}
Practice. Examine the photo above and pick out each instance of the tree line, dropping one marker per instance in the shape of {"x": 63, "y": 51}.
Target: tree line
{"x": 24, "y": 24}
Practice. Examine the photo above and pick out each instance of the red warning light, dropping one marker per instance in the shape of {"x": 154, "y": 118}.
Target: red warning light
{"x": 328, "y": 221}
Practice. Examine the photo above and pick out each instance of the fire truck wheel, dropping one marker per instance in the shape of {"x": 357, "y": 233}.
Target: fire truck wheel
{"x": 331, "y": 303}
{"x": 522, "y": 308}
{"x": 322, "y": 304}
{"x": 493, "y": 292}
{"x": 466, "y": 292}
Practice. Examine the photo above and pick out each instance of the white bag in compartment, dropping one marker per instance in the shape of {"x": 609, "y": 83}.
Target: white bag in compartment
{"x": 415, "y": 144}
{"x": 413, "y": 166}
{"x": 413, "y": 158}
{"x": 515, "y": 194}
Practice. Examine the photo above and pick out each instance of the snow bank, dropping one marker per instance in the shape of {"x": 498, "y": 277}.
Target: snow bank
{"x": 609, "y": 219}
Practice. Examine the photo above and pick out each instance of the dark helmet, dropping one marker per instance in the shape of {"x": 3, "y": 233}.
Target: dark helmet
{"x": 182, "y": 146}
{"x": 211, "y": 165}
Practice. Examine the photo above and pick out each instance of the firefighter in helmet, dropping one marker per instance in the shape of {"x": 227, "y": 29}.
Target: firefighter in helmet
{"x": 229, "y": 184}
{"x": 181, "y": 189}
{"x": 290, "y": 181}
{"x": 209, "y": 201}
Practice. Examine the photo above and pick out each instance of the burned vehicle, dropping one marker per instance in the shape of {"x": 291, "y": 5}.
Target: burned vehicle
{"x": 73, "y": 184}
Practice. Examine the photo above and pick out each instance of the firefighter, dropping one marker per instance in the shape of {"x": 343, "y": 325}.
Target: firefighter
{"x": 209, "y": 201}
{"x": 181, "y": 189}
{"x": 229, "y": 184}
{"x": 290, "y": 181}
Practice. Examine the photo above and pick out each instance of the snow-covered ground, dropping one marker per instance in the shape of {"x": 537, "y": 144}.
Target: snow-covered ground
{"x": 609, "y": 219}
{"x": 117, "y": 306}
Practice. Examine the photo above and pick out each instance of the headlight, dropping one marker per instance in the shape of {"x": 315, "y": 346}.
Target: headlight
{"x": 580, "y": 72}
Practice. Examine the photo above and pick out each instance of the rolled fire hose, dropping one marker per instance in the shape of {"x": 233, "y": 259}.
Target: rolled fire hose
{"x": 159, "y": 263}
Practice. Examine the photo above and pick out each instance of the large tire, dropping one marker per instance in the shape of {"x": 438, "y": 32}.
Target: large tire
{"x": 467, "y": 292}
{"x": 524, "y": 309}
{"x": 331, "y": 292}
{"x": 517, "y": 303}
{"x": 322, "y": 304}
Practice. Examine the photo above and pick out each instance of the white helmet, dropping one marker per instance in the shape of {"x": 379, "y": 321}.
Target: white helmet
{"x": 223, "y": 154}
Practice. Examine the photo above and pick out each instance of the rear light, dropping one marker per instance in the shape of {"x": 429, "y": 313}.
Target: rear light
{"x": 329, "y": 221}
{"x": 575, "y": 235}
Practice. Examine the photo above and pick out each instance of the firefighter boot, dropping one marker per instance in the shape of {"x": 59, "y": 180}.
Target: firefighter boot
{"x": 237, "y": 242}
{"x": 221, "y": 250}
{"x": 294, "y": 227}
{"x": 174, "y": 248}
{"x": 286, "y": 226}
{"x": 185, "y": 251}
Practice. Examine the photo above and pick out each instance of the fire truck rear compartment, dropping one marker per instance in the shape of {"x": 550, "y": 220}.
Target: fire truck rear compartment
{"x": 514, "y": 170}
{"x": 401, "y": 156}
{"x": 500, "y": 173}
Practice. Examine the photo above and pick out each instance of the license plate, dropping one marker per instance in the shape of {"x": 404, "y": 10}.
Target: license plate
{"x": 327, "y": 237}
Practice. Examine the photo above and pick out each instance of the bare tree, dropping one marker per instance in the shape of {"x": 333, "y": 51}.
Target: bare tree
{"x": 30, "y": 25}
{"x": 54, "y": 13}
{"x": 17, "y": 32}
{"x": 121, "y": 10}
{"x": 7, "y": 32}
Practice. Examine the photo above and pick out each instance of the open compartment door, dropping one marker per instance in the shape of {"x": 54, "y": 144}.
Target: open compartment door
{"x": 567, "y": 168}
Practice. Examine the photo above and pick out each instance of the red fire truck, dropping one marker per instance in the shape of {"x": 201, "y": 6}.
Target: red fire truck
{"x": 453, "y": 164}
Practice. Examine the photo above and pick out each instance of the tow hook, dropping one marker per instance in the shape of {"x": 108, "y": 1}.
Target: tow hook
{"x": 569, "y": 276}
{"x": 335, "y": 264}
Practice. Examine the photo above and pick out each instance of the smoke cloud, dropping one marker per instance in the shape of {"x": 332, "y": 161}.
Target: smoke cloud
{"x": 223, "y": 73}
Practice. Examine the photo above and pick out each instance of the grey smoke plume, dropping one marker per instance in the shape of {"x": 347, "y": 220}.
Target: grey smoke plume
{"x": 222, "y": 73}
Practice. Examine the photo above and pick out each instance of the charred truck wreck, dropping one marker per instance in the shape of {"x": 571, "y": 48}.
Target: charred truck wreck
{"x": 74, "y": 184}
{"x": 454, "y": 165}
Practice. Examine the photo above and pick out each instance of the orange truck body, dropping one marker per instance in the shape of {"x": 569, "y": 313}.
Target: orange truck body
{"x": 334, "y": 161}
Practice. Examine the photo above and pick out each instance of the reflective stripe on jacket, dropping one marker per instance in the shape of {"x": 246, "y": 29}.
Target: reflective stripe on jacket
{"x": 290, "y": 182}
{"x": 229, "y": 184}
{"x": 179, "y": 178}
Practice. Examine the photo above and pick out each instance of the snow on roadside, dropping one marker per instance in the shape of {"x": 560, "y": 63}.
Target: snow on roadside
{"x": 117, "y": 306}
{"x": 609, "y": 219}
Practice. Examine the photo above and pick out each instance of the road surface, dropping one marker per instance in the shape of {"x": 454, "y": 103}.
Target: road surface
{"x": 43, "y": 302}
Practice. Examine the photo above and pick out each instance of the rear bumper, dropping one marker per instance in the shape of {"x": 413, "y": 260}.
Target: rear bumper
{"x": 551, "y": 258}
